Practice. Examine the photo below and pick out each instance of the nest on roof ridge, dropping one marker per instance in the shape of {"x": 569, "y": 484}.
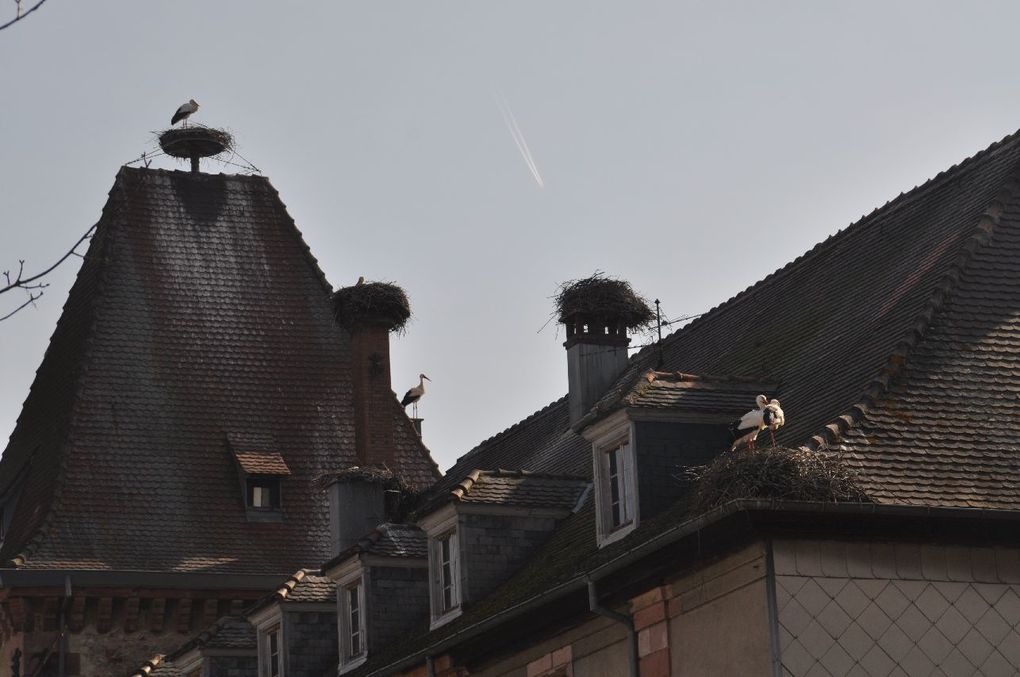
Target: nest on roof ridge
{"x": 779, "y": 474}
{"x": 601, "y": 298}
{"x": 372, "y": 303}
{"x": 186, "y": 142}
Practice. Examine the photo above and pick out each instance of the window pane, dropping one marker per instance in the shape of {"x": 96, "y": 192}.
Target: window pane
{"x": 274, "y": 653}
{"x": 615, "y": 489}
{"x": 354, "y": 619}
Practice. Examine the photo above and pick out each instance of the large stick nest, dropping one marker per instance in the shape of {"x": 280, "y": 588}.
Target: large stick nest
{"x": 200, "y": 141}
{"x": 781, "y": 474}
{"x": 600, "y": 298}
{"x": 372, "y": 303}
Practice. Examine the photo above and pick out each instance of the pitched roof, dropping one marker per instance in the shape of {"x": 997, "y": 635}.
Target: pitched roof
{"x": 896, "y": 340}
{"x": 228, "y": 632}
{"x": 198, "y": 312}
{"x": 157, "y": 666}
{"x": 520, "y": 488}
{"x": 690, "y": 393}
{"x": 389, "y": 539}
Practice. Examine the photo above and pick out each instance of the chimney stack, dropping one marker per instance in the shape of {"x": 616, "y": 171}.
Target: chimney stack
{"x": 370, "y": 311}
{"x": 360, "y": 499}
{"x": 597, "y": 312}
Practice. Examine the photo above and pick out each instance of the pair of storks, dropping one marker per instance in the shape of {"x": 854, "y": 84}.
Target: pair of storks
{"x": 767, "y": 415}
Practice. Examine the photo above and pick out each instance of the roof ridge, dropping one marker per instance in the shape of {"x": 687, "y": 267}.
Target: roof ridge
{"x": 513, "y": 427}
{"x": 103, "y": 249}
{"x": 937, "y": 300}
{"x": 150, "y": 664}
{"x": 901, "y": 200}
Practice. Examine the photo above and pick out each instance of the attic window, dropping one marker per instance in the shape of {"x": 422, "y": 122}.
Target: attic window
{"x": 616, "y": 489}
{"x": 262, "y": 475}
{"x": 264, "y": 493}
{"x": 445, "y": 596}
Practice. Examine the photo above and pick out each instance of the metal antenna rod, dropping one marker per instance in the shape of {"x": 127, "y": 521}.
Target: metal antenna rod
{"x": 658, "y": 322}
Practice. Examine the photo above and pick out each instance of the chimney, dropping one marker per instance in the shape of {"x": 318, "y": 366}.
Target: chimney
{"x": 597, "y": 311}
{"x": 359, "y": 501}
{"x": 370, "y": 311}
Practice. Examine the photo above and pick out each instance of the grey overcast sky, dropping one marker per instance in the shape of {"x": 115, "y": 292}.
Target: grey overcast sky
{"x": 689, "y": 147}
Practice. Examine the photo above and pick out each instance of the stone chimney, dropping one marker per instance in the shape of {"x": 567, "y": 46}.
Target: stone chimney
{"x": 359, "y": 500}
{"x": 597, "y": 311}
{"x": 370, "y": 311}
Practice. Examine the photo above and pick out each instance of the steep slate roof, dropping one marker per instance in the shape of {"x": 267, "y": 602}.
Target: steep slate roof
{"x": 229, "y": 632}
{"x": 387, "y": 540}
{"x": 836, "y": 325}
{"x": 198, "y": 312}
{"x": 520, "y": 488}
{"x": 722, "y": 396}
{"x": 896, "y": 340}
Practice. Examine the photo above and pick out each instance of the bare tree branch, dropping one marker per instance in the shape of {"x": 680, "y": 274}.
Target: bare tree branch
{"x": 20, "y": 282}
{"x": 21, "y": 15}
{"x": 32, "y": 298}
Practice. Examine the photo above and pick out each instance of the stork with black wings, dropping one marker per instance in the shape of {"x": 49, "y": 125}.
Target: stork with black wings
{"x": 414, "y": 394}
{"x": 767, "y": 415}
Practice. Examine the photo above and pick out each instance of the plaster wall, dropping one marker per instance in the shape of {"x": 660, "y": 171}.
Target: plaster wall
{"x": 878, "y": 609}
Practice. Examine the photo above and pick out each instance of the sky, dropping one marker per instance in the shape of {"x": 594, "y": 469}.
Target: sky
{"x": 480, "y": 153}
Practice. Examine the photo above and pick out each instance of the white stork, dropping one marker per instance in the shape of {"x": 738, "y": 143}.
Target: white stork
{"x": 414, "y": 394}
{"x": 774, "y": 418}
{"x": 753, "y": 420}
{"x": 184, "y": 112}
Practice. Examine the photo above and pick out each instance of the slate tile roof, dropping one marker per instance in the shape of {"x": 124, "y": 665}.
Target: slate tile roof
{"x": 157, "y": 666}
{"x": 387, "y": 540}
{"x": 520, "y": 488}
{"x": 229, "y": 632}
{"x": 896, "y": 340}
{"x": 198, "y": 312}
{"x": 721, "y": 396}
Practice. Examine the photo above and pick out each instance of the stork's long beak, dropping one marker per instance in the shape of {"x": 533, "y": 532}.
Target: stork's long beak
{"x": 426, "y": 377}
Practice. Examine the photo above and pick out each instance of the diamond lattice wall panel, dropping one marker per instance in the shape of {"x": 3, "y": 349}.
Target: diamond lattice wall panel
{"x": 878, "y": 610}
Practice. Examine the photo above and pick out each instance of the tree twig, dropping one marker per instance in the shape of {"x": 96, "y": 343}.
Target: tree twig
{"x": 15, "y": 20}
{"x": 32, "y": 298}
{"x": 26, "y": 283}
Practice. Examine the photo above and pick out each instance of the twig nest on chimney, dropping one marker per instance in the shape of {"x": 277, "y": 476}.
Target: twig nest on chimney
{"x": 602, "y": 299}
{"x": 372, "y": 303}
{"x": 777, "y": 474}
{"x": 189, "y": 142}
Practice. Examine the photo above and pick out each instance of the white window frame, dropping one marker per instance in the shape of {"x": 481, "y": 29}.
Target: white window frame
{"x": 267, "y": 622}
{"x": 615, "y": 439}
{"x": 351, "y": 573}
{"x": 440, "y": 526}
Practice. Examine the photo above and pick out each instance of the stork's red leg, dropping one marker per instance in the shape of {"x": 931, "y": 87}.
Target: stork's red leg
{"x": 772, "y": 434}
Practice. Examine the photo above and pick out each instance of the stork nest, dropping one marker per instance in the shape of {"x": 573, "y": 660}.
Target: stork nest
{"x": 401, "y": 498}
{"x": 186, "y": 142}
{"x": 600, "y": 298}
{"x": 780, "y": 474}
{"x": 378, "y": 303}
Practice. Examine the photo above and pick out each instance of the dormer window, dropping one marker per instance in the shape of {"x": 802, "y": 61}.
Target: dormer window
{"x": 264, "y": 493}
{"x": 262, "y": 472}
{"x": 445, "y": 592}
{"x": 616, "y": 487}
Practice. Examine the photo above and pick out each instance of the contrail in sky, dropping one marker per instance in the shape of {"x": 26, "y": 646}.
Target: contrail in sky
{"x": 518, "y": 137}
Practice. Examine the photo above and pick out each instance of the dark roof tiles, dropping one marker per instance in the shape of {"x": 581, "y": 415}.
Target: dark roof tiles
{"x": 520, "y": 488}
{"x": 198, "y": 312}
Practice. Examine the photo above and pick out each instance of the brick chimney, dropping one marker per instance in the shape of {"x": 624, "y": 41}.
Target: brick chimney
{"x": 597, "y": 312}
{"x": 373, "y": 394}
{"x": 370, "y": 311}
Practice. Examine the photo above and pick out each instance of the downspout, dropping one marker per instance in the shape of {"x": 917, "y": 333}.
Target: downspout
{"x": 625, "y": 620}
{"x": 430, "y": 666}
{"x": 62, "y": 649}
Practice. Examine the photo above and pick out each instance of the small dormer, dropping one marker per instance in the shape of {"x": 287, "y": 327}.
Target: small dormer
{"x": 227, "y": 647}
{"x": 295, "y": 627}
{"x": 644, "y": 437}
{"x": 381, "y": 590}
{"x": 486, "y": 527}
{"x": 261, "y": 471}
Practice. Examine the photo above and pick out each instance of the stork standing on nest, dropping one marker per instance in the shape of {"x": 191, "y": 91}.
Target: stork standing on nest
{"x": 184, "y": 112}
{"x": 774, "y": 419}
{"x": 414, "y": 394}
{"x": 753, "y": 420}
